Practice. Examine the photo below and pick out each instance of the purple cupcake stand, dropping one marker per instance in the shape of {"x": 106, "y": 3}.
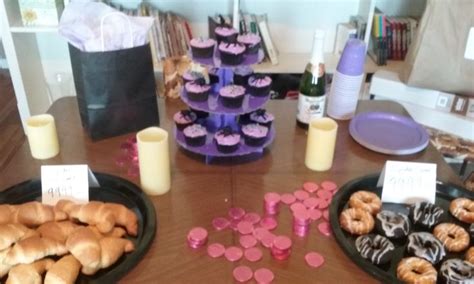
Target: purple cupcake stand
{"x": 221, "y": 116}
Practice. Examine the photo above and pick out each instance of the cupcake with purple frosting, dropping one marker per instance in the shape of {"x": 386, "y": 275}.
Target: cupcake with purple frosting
{"x": 227, "y": 140}
{"x": 184, "y": 118}
{"x": 232, "y": 53}
{"x": 251, "y": 42}
{"x": 262, "y": 117}
{"x": 254, "y": 134}
{"x": 226, "y": 33}
{"x": 195, "y": 135}
{"x": 202, "y": 47}
{"x": 232, "y": 96}
{"x": 259, "y": 85}
{"x": 197, "y": 90}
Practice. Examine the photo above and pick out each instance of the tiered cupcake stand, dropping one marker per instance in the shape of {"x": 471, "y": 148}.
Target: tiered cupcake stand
{"x": 221, "y": 116}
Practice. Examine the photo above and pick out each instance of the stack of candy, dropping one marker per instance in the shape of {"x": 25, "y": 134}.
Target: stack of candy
{"x": 281, "y": 248}
{"x": 128, "y": 158}
{"x": 197, "y": 237}
{"x": 271, "y": 203}
{"x": 301, "y": 222}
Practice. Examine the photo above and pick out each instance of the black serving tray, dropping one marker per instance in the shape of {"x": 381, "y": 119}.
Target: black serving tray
{"x": 387, "y": 273}
{"x": 112, "y": 189}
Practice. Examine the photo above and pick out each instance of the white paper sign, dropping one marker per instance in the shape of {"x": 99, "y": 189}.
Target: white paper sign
{"x": 66, "y": 182}
{"x": 469, "y": 52}
{"x": 408, "y": 182}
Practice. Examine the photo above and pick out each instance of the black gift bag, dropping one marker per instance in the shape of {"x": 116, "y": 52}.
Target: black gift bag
{"x": 115, "y": 90}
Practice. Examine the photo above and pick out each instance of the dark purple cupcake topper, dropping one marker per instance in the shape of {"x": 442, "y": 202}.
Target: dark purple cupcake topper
{"x": 261, "y": 113}
{"x": 227, "y": 131}
{"x": 187, "y": 114}
{"x": 258, "y": 77}
{"x": 200, "y": 81}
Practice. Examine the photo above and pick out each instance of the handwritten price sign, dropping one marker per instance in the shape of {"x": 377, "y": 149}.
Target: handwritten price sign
{"x": 64, "y": 182}
{"x": 407, "y": 182}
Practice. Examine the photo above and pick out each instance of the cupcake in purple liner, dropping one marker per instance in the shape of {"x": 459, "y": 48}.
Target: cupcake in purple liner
{"x": 202, "y": 47}
{"x": 184, "y": 118}
{"x": 190, "y": 76}
{"x": 232, "y": 53}
{"x": 197, "y": 90}
{"x": 226, "y": 33}
{"x": 227, "y": 140}
{"x": 195, "y": 135}
{"x": 259, "y": 85}
{"x": 232, "y": 96}
{"x": 251, "y": 42}
{"x": 242, "y": 75}
{"x": 262, "y": 117}
{"x": 254, "y": 134}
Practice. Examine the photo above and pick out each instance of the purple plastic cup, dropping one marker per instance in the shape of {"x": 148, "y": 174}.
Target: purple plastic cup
{"x": 352, "y": 58}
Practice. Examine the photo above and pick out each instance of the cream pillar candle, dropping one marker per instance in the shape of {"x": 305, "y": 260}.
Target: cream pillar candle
{"x": 42, "y": 136}
{"x": 154, "y": 160}
{"x": 320, "y": 144}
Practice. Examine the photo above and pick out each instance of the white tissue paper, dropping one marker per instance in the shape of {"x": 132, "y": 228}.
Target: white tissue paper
{"x": 93, "y": 26}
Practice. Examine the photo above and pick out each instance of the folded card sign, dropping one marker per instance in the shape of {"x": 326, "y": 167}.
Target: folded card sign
{"x": 408, "y": 182}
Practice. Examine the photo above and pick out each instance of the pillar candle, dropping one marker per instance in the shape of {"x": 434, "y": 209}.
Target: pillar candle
{"x": 42, "y": 136}
{"x": 320, "y": 144}
{"x": 154, "y": 160}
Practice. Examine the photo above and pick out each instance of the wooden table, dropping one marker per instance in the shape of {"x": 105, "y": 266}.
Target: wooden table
{"x": 201, "y": 192}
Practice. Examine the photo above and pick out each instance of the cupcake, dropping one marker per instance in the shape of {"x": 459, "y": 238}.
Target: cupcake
{"x": 242, "y": 75}
{"x": 184, "y": 118}
{"x": 197, "y": 90}
{"x": 232, "y": 96}
{"x": 259, "y": 85}
{"x": 254, "y": 134}
{"x": 226, "y": 33}
{"x": 202, "y": 48}
{"x": 231, "y": 53}
{"x": 227, "y": 140}
{"x": 251, "y": 42}
{"x": 262, "y": 117}
{"x": 195, "y": 135}
{"x": 190, "y": 76}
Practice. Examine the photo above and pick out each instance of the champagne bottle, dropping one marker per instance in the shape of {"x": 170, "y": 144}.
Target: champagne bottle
{"x": 312, "y": 90}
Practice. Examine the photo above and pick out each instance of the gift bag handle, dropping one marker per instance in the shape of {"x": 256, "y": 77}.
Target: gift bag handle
{"x": 102, "y": 28}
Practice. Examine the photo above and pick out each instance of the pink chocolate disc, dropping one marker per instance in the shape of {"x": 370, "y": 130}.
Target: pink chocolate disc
{"x": 301, "y": 194}
{"x": 315, "y": 214}
{"x": 297, "y": 206}
{"x": 324, "y": 194}
{"x": 314, "y": 259}
{"x": 263, "y": 276}
{"x": 247, "y": 241}
{"x": 252, "y": 217}
{"x": 329, "y": 185}
{"x": 325, "y": 229}
{"x": 272, "y": 198}
{"x": 268, "y": 223}
{"x": 253, "y": 254}
{"x": 259, "y": 233}
{"x": 288, "y": 198}
{"x": 267, "y": 240}
{"x": 310, "y": 186}
{"x": 326, "y": 214}
{"x": 220, "y": 223}
{"x": 233, "y": 253}
{"x": 215, "y": 250}
{"x": 197, "y": 234}
{"x": 323, "y": 203}
{"x": 236, "y": 213}
{"x": 242, "y": 273}
{"x": 282, "y": 243}
{"x": 311, "y": 202}
{"x": 245, "y": 227}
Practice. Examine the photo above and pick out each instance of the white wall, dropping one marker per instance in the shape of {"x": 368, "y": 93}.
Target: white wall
{"x": 3, "y": 60}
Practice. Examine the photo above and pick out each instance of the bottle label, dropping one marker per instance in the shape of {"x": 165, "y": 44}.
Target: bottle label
{"x": 310, "y": 107}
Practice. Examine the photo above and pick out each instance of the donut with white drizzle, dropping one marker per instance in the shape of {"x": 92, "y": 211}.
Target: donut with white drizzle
{"x": 376, "y": 248}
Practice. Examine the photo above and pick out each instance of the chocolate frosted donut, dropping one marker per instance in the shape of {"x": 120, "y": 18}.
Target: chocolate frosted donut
{"x": 392, "y": 224}
{"x": 426, "y": 246}
{"x": 376, "y": 248}
{"x": 457, "y": 271}
{"x": 425, "y": 214}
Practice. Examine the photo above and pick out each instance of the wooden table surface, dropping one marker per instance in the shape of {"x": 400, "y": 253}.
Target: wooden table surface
{"x": 200, "y": 192}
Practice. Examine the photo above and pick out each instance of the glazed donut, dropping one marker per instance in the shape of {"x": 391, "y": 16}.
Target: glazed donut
{"x": 462, "y": 209}
{"x": 356, "y": 221}
{"x": 425, "y": 214}
{"x": 365, "y": 200}
{"x": 376, "y": 248}
{"x": 470, "y": 255}
{"x": 453, "y": 237}
{"x": 392, "y": 224}
{"x": 416, "y": 270}
{"x": 425, "y": 245}
{"x": 457, "y": 271}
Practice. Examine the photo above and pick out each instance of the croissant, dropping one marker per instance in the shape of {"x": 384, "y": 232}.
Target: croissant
{"x": 117, "y": 232}
{"x": 29, "y": 273}
{"x": 31, "y": 214}
{"x": 65, "y": 205}
{"x": 124, "y": 217}
{"x": 64, "y": 271}
{"x": 6, "y": 211}
{"x": 111, "y": 250}
{"x": 94, "y": 213}
{"x": 11, "y": 233}
{"x": 4, "y": 268}
{"x": 33, "y": 248}
{"x": 58, "y": 231}
{"x": 85, "y": 247}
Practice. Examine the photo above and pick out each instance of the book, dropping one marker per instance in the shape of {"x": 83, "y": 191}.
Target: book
{"x": 267, "y": 40}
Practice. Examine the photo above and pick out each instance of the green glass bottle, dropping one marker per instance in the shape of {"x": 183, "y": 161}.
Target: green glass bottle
{"x": 312, "y": 90}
